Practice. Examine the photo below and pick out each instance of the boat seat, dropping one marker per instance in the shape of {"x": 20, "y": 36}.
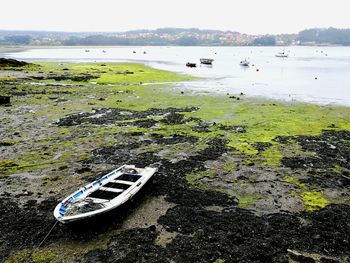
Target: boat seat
{"x": 129, "y": 177}
{"x": 107, "y": 195}
{"x": 117, "y": 185}
{"x": 122, "y": 182}
{"x": 115, "y": 190}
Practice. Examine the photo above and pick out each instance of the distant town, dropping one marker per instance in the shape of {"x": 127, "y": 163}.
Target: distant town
{"x": 175, "y": 37}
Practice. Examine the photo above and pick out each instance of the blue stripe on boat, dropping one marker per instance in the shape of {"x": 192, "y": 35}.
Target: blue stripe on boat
{"x": 77, "y": 194}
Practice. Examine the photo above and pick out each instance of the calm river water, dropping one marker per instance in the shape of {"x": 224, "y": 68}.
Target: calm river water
{"x": 309, "y": 74}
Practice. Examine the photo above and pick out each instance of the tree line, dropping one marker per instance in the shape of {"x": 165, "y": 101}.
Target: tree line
{"x": 180, "y": 37}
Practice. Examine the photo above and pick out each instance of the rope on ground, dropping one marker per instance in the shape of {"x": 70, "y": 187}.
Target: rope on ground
{"x": 47, "y": 235}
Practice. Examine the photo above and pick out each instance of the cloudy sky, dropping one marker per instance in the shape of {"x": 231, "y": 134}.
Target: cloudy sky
{"x": 248, "y": 16}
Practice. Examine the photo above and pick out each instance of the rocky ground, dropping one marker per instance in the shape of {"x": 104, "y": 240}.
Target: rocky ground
{"x": 238, "y": 181}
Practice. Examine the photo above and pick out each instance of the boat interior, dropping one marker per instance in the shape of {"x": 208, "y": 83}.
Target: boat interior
{"x": 115, "y": 187}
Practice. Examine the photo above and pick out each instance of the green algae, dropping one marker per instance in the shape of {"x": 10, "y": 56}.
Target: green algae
{"x": 7, "y": 143}
{"x": 229, "y": 167}
{"x": 246, "y": 200}
{"x": 8, "y": 166}
{"x": 272, "y": 156}
{"x": 196, "y": 179}
{"x": 130, "y": 73}
{"x": 314, "y": 200}
{"x": 293, "y": 180}
{"x": 32, "y": 256}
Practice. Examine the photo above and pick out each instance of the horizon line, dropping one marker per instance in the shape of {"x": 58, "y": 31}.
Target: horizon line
{"x": 145, "y": 29}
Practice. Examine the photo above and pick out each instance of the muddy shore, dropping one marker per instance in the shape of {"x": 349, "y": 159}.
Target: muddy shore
{"x": 239, "y": 180}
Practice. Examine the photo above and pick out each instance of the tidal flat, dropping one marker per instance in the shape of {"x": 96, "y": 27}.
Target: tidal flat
{"x": 240, "y": 179}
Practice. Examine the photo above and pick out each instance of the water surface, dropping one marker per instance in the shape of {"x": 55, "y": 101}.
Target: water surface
{"x": 309, "y": 74}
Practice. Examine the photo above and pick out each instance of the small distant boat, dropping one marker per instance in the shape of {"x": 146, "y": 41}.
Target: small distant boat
{"x": 191, "y": 65}
{"x": 134, "y": 52}
{"x": 206, "y": 61}
{"x": 244, "y": 63}
{"x": 104, "y": 194}
{"x": 104, "y": 51}
{"x": 87, "y": 50}
{"x": 282, "y": 54}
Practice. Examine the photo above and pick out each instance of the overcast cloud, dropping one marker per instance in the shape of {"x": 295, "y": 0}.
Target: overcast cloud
{"x": 246, "y": 16}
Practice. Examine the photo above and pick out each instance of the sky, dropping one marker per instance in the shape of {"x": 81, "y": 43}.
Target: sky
{"x": 245, "y": 16}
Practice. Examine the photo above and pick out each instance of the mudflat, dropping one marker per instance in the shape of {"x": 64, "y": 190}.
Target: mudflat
{"x": 240, "y": 179}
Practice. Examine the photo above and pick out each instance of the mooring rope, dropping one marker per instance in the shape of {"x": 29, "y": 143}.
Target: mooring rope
{"x": 47, "y": 235}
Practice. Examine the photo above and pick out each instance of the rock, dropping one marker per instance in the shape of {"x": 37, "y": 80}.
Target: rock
{"x": 5, "y": 100}
{"x": 9, "y": 62}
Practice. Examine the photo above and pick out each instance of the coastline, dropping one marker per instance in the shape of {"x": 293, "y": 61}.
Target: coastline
{"x": 231, "y": 162}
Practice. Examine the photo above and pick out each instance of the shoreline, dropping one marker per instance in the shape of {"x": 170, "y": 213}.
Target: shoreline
{"x": 262, "y": 84}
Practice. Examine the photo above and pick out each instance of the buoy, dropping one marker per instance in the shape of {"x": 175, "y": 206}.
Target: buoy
{"x": 257, "y": 70}
{"x": 315, "y": 77}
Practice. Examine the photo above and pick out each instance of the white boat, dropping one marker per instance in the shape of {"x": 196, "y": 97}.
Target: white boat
{"x": 244, "y": 63}
{"x": 104, "y": 194}
{"x": 282, "y": 54}
{"x": 206, "y": 61}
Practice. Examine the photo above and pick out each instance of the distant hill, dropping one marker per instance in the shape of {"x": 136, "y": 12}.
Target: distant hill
{"x": 174, "y": 37}
{"x": 329, "y": 36}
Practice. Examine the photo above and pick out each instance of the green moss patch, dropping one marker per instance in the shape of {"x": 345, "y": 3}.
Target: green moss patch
{"x": 294, "y": 181}
{"x": 32, "y": 256}
{"x": 314, "y": 200}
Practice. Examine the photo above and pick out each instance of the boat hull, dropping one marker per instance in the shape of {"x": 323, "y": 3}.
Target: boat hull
{"x": 106, "y": 194}
{"x": 206, "y": 61}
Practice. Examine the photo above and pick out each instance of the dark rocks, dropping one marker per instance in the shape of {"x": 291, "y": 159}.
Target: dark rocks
{"x": 174, "y": 139}
{"x": 9, "y": 62}
{"x": 83, "y": 170}
{"x": 235, "y": 128}
{"x": 6, "y": 143}
{"x": 136, "y": 245}
{"x": 147, "y": 123}
{"x": 5, "y": 100}
{"x": 331, "y": 149}
{"x": 262, "y": 146}
{"x": 108, "y": 116}
{"x": 67, "y": 76}
{"x": 25, "y": 227}
{"x": 233, "y": 235}
{"x": 202, "y": 126}
{"x": 173, "y": 118}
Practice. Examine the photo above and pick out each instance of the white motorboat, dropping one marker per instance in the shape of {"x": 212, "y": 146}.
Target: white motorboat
{"x": 206, "y": 61}
{"x": 282, "y": 54}
{"x": 104, "y": 194}
{"x": 244, "y": 63}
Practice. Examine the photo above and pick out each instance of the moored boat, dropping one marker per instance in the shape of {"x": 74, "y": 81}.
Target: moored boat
{"x": 244, "y": 63}
{"x": 104, "y": 194}
{"x": 282, "y": 54}
{"x": 191, "y": 65}
{"x": 206, "y": 61}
